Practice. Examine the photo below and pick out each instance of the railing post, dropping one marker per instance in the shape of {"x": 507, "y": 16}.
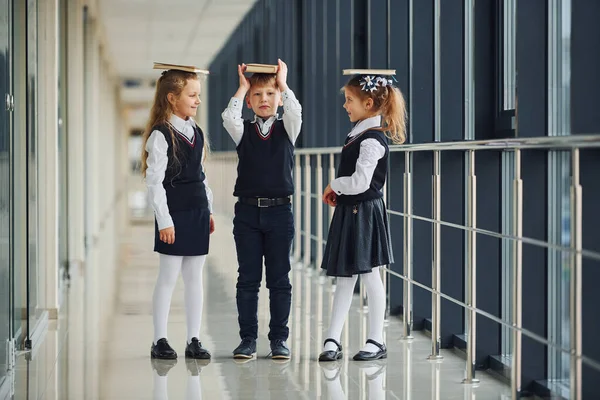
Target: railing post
{"x": 517, "y": 269}
{"x": 331, "y": 177}
{"x": 384, "y": 275}
{"x": 575, "y": 277}
{"x": 306, "y": 260}
{"x": 436, "y": 280}
{"x": 407, "y": 286}
{"x": 471, "y": 258}
{"x": 298, "y": 208}
{"x": 319, "y": 190}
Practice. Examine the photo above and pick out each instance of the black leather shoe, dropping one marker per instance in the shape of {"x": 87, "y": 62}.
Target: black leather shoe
{"x": 195, "y": 350}
{"x": 280, "y": 350}
{"x": 162, "y": 367}
{"x": 162, "y": 350}
{"x": 246, "y": 349}
{"x": 368, "y": 356}
{"x": 331, "y": 355}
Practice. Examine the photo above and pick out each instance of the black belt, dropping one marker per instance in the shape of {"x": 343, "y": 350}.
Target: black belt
{"x": 264, "y": 201}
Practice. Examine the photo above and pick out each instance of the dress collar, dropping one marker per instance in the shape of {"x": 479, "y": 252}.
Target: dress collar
{"x": 365, "y": 124}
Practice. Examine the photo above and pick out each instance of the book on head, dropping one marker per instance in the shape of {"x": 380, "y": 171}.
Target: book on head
{"x": 369, "y": 72}
{"x": 186, "y": 68}
{"x": 262, "y": 68}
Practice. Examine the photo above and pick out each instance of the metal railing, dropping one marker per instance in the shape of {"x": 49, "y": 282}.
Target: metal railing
{"x": 307, "y": 234}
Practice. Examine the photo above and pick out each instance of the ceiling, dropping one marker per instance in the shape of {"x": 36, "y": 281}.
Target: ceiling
{"x": 140, "y": 32}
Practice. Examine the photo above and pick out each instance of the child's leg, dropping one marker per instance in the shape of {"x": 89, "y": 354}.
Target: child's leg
{"x": 163, "y": 291}
{"x": 249, "y": 247}
{"x": 278, "y": 244}
{"x": 341, "y": 305}
{"x": 376, "y": 297}
{"x": 191, "y": 270}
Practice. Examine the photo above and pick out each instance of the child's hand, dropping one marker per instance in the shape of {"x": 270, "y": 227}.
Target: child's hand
{"x": 282, "y": 76}
{"x": 167, "y": 235}
{"x": 212, "y": 224}
{"x": 244, "y": 82}
{"x": 329, "y": 196}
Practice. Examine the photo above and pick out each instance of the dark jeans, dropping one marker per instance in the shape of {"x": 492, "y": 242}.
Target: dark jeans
{"x": 263, "y": 232}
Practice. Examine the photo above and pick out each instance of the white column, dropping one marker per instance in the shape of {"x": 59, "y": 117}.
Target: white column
{"x": 48, "y": 155}
{"x": 75, "y": 130}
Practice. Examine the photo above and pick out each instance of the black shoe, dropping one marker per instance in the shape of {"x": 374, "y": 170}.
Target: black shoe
{"x": 195, "y": 350}
{"x": 368, "y": 356}
{"x": 331, "y": 355}
{"x": 279, "y": 350}
{"x": 162, "y": 367}
{"x": 162, "y": 350}
{"x": 246, "y": 349}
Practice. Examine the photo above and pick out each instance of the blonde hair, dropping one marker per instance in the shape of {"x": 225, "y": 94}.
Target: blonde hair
{"x": 388, "y": 101}
{"x": 171, "y": 81}
{"x": 262, "y": 79}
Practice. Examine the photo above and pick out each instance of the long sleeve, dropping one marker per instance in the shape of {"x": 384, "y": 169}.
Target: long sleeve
{"x": 209, "y": 194}
{"x": 155, "y": 174}
{"x": 232, "y": 120}
{"x": 371, "y": 151}
{"x": 292, "y": 116}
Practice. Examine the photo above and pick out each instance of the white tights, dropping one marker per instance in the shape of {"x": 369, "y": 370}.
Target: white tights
{"x": 191, "y": 270}
{"x": 341, "y": 305}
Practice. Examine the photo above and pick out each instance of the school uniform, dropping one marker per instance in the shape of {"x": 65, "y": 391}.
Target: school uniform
{"x": 177, "y": 187}
{"x": 359, "y": 237}
{"x": 263, "y": 225}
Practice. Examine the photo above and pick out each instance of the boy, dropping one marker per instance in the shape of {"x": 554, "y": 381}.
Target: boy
{"x": 263, "y": 225}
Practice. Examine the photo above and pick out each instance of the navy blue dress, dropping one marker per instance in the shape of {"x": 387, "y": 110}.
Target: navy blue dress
{"x": 186, "y": 195}
{"x": 359, "y": 234}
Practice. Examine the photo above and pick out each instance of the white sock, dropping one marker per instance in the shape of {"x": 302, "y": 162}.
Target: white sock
{"x": 191, "y": 271}
{"x": 160, "y": 387}
{"x": 376, "y": 298}
{"x": 341, "y": 305}
{"x": 193, "y": 391}
{"x": 163, "y": 291}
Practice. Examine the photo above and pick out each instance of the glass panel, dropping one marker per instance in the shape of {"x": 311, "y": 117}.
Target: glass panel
{"x": 32, "y": 160}
{"x": 62, "y": 148}
{"x": 5, "y": 185}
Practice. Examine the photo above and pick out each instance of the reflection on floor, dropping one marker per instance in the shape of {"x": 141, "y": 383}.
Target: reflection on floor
{"x": 68, "y": 365}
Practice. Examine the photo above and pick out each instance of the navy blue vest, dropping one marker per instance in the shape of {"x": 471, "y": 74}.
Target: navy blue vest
{"x": 266, "y": 163}
{"x": 184, "y": 177}
{"x": 347, "y": 167}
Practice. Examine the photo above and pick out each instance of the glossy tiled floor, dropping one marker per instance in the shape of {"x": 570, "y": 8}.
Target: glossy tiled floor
{"x": 68, "y": 364}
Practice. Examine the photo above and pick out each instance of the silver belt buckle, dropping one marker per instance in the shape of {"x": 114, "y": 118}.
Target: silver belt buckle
{"x": 259, "y": 202}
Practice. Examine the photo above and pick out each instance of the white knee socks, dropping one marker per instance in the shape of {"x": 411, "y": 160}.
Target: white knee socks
{"x": 376, "y": 298}
{"x": 191, "y": 270}
{"x": 341, "y": 305}
{"x": 163, "y": 292}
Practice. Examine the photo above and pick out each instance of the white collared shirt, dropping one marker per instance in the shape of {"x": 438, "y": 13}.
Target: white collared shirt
{"x": 292, "y": 118}
{"x": 157, "y": 162}
{"x": 371, "y": 151}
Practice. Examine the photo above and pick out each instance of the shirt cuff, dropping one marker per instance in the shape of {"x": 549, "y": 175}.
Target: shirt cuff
{"x": 334, "y": 186}
{"x": 164, "y": 222}
{"x": 235, "y": 104}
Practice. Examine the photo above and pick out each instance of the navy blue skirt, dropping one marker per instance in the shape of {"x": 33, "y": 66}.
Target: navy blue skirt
{"x": 192, "y": 234}
{"x": 358, "y": 240}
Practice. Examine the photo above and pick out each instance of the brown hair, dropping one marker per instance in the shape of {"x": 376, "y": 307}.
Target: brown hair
{"x": 261, "y": 79}
{"x": 171, "y": 81}
{"x": 388, "y": 101}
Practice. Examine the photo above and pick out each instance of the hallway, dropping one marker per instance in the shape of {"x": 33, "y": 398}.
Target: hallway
{"x": 120, "y": 367}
